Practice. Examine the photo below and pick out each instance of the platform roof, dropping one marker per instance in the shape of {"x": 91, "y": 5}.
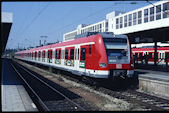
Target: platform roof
{"x": 6, "y": 23}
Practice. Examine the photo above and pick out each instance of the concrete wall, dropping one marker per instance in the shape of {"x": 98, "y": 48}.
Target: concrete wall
{"x": 157, "y": 87}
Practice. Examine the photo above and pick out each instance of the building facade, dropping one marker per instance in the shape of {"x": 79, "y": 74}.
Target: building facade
{"x": 102, "y": 26}
{"x": 144, "y": 18}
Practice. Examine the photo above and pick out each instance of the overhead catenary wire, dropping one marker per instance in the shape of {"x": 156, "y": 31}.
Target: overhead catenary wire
{"x": 61, "y": 28}
{"x": 33, "y": 20}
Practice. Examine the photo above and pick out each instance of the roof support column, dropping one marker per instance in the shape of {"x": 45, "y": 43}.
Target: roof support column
{"x": 155, "y": 52}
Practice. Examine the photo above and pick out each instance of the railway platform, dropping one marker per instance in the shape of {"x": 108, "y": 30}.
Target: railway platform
{"x": 155, "y": 82}
{"x": 13, "y": 95}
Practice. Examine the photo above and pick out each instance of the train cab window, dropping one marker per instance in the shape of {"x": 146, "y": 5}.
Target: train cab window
{"x": 83, "y": 53}
{"x": 71, "y": 54}
{"x": 90, "y": 48}
{"x": 59, "y": 54}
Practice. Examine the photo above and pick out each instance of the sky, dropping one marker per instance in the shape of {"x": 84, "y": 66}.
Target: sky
{"x": 33, "y": 20}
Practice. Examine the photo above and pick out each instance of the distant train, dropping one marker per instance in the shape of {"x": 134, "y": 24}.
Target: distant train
{"x": 144, "y": 53}
{"x": 94, "y": 55}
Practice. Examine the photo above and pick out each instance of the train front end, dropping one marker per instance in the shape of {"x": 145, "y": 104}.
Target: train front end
{"x": 119, "y": 56}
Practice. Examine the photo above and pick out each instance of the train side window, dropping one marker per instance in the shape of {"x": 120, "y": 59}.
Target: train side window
{"x": 59, "y": 54}
{"x": 51, "y": 54}
{"x": 55, "y": 54}
{"x": 140, "y": 55}
{"x": 66, "y": 54}
{"x": 83, "y": 53}
{"x": 71, "y": 54}
{"x": 136, "y": 55}
{"x": 150, "y": 55}
{"x": 167, "y": 55}
{"x": 90, "y": 49}
{"x": 48, "y": 55}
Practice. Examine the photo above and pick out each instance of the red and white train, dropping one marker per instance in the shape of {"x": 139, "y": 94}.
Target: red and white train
{"x": 147, "y": 50}
{"x": 97, "y": 55}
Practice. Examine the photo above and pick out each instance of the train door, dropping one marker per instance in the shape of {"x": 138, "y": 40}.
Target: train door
{"x": 167, "y": 58}
{"x": 50, "y": 56}
{"x": 77, "y": 57}
{"x": 161, "y": 57}
{"x": 35, "y": 55}
{"x": 82, "y": 63}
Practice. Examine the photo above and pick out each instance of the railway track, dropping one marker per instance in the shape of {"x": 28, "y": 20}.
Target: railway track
{"x": 146, "y": 101}
{"x": 46, "y": 95}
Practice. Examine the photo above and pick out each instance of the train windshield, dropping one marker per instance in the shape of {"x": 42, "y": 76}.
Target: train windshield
{"x": 117, "y": 50}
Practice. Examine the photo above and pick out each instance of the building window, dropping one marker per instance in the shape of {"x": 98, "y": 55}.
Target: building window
{"x": 152, "y": 14}
{"x": 145, "y": 15}
{"x": 134, "y": 18}
{"x": 121, "y": 22}
{"x": 158, "y": 12}
{"x": 130, "y": 19}
{"x": 166, "y": 10}
{"x": 107, "y": 25}
{"x": 117, "y": 23}
{"x": 139, "y": 17}
{"x": 125, "y": 21}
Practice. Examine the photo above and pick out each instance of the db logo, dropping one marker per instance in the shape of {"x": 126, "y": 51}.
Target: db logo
{"x": 118, "y": 66}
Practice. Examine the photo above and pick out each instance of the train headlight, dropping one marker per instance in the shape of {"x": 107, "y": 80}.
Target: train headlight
{"x": 132, "y": 65}
{"x": 102, "y": 65}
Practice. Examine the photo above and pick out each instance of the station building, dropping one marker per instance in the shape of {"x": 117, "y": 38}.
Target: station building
{"x": 152, "y": 16}
{"x": 145, "y": 18}
{"x": 102, "y": 26}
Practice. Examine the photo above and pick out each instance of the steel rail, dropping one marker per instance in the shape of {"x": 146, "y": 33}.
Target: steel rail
{"x": 52, "y": 88}
{"x": 40, "y": 100}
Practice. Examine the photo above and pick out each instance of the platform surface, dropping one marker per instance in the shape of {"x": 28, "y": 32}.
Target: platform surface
{"x": 14, "y": 97}
{"x": 154, "y": 75}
